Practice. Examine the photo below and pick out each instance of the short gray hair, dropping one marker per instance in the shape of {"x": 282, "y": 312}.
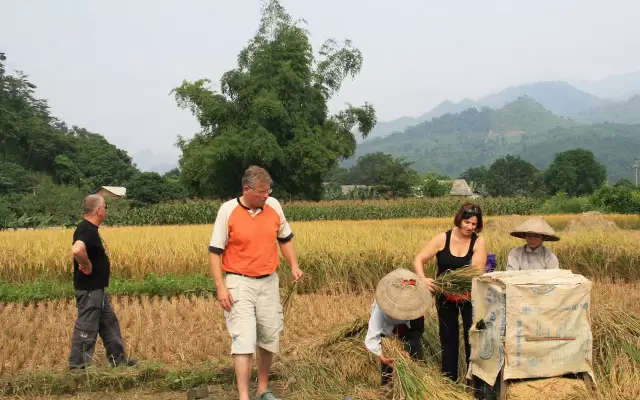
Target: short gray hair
{"x": 91, "y": 204}
{"x": 254, "y": 175}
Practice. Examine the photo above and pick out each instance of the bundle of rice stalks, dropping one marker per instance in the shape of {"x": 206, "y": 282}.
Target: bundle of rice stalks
{"x": 458, "y": 281}
{"x": 287, "y": 302}
{"x": 615, "y": 330}
{"x": 431, "y": 340}
{"x": 336, "y": 365}
{"x": 349, "y": 330}
{"x": 504, "y": 224}
{"x": 414, "y": 380}
{"x": 591, "y": 220}
{"x": 616, "y": 352}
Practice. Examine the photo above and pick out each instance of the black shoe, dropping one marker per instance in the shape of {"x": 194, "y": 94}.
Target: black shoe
{"x": 132, "y": 362}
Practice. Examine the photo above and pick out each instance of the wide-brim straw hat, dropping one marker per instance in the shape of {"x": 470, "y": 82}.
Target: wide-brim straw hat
{"x": 538, "y": 226}
{"x": 403, "y": 295}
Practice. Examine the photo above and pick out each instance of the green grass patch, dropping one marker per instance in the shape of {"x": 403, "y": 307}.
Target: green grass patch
{"x": 152, "y": 285}
{"x": 148, "y": 375}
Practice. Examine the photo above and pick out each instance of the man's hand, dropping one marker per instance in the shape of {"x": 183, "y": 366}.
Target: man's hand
{"x": 224, "y": 298}
{"x": 386, "y": 360}
{"x": 86, "y": 269}
{"x": 297, "y": 274}
{"x": 430, "y": 283}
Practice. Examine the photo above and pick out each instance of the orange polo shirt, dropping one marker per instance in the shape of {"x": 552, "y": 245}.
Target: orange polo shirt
{"x": 248, "y": 241}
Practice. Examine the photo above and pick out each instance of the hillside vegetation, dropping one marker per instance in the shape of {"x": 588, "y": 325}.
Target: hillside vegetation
{"x": 454, "y": 143}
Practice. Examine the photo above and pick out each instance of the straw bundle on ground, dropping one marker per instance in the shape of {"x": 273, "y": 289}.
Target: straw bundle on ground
{"x": 415, "y": 380}
{"x": 592, "y": 220}
{"x": 335, "y": 366}
{"x": 556, "y": 388}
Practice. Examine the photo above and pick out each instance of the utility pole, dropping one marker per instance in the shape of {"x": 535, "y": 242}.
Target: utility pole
{"x": 636, "y": 165}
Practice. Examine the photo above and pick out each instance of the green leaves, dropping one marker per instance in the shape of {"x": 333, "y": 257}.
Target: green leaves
{"x": 272, "y": 112}
{"x": 575, "y": 172}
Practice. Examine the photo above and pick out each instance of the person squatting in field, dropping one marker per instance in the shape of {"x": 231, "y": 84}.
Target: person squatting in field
{"x": 401, "y": 300}
{"x": 533, "y": 255}
{"x": 91, "y": 270}
{"x": 244, "y": 244}
{"x": 456, "y": 248}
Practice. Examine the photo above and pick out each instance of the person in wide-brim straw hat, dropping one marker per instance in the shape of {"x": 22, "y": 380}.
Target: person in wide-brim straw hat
{"x": 401, "y": 300}
{"x": 533, "y": 255}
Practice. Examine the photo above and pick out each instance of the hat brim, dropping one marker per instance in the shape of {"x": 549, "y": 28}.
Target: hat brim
{"x": 545, "y": 236}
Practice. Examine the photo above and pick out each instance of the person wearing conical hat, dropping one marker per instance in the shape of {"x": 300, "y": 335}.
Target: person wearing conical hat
{"x": 533, "y": 255}
{"x": 401, "y": 300}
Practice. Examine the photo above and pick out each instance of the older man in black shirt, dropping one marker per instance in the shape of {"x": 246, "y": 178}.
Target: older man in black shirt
{"x": 91, "y": 269}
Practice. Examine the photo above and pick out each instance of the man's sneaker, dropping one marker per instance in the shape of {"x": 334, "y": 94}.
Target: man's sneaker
{"x": 132, "y": 362}
{"x": 267, "y": 395}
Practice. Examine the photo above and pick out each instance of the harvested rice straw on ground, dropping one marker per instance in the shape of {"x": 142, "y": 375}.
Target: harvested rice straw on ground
{"x": 414, "y": 380}
{"x": 592, "y": 220}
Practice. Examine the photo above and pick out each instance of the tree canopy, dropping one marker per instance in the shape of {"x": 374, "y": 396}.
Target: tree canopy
{"x": 272, "y": 111}
{"x": 575, "y": 172}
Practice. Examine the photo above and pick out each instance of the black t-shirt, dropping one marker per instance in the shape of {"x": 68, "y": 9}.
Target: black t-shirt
{"x": 99, "y": 277}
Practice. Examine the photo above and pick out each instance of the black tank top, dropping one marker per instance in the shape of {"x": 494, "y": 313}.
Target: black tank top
{"x": 447, "y": 261}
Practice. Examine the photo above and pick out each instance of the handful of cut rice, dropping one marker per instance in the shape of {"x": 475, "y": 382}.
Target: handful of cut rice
{"x": 457, "y": 282}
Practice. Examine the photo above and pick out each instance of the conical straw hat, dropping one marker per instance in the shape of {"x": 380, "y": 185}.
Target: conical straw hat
{"x": 403, "y": 295}
{"x": 536, "y": 225}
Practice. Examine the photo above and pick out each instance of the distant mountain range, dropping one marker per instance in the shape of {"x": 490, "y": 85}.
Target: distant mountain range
{"x": 558, "y": 97}
{"x": 615, "y": 87}
{"x": 452, "y": 143}
{"x": 147, "y": 161}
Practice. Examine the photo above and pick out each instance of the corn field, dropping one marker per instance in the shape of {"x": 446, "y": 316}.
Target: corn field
{"x": 202, "y": 212}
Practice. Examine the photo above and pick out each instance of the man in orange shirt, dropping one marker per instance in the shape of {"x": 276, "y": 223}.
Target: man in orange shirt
{"x": 243, "y": 244}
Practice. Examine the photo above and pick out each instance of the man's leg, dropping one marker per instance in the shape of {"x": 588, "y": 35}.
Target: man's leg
{"x": 449, "y": 336}
{"x": 111, "y": 336}
{"x": 270, "y": 321}
{"x": 241, "y": 324}
{"x": 243, "y": 364}
{"x": 265, "y": 358}
{"x": 85, "y": 330}
{"x": 412, "y": 339}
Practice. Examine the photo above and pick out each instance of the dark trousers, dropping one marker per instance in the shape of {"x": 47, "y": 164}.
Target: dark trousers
{"x": 95, "y": 317}
{"x": 411, "y": 338}
{"x": 448, "y": 312}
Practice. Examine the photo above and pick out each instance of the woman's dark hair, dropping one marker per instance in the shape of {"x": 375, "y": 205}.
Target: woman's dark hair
{"x": 467, "y": 211}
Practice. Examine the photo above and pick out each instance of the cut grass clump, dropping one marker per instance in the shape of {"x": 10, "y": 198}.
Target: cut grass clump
{"x": 147, "y": 375}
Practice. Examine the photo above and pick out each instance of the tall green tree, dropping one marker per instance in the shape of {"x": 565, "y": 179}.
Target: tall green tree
{"x": 272, "y": 111}
{"x": 513, "y": 176}
{"x": 385, "y": 172}
{"x": 575, "y": 172}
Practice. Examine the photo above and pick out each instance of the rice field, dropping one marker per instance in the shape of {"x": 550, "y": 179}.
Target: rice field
{"x": 337, "y": 256}
{"x": 189, "y": 333}
{"x": 343, "y": 261}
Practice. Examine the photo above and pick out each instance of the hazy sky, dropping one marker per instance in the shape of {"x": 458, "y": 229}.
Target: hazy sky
{"x": 109, "y": 66}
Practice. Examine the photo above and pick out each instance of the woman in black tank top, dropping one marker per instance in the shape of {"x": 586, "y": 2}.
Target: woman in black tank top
{"x": 453, "y": 249}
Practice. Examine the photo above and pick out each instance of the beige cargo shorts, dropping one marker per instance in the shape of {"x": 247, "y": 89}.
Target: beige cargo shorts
{"x": 256, "y": 317}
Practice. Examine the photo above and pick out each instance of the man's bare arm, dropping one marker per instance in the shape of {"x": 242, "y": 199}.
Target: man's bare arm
{"x": 289, "y": 253}
{"x": 224, "y": 296}
{"x": 79, "y": 252}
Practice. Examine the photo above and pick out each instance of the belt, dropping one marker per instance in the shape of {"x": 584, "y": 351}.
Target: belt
{"x": 252, "y": 277}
